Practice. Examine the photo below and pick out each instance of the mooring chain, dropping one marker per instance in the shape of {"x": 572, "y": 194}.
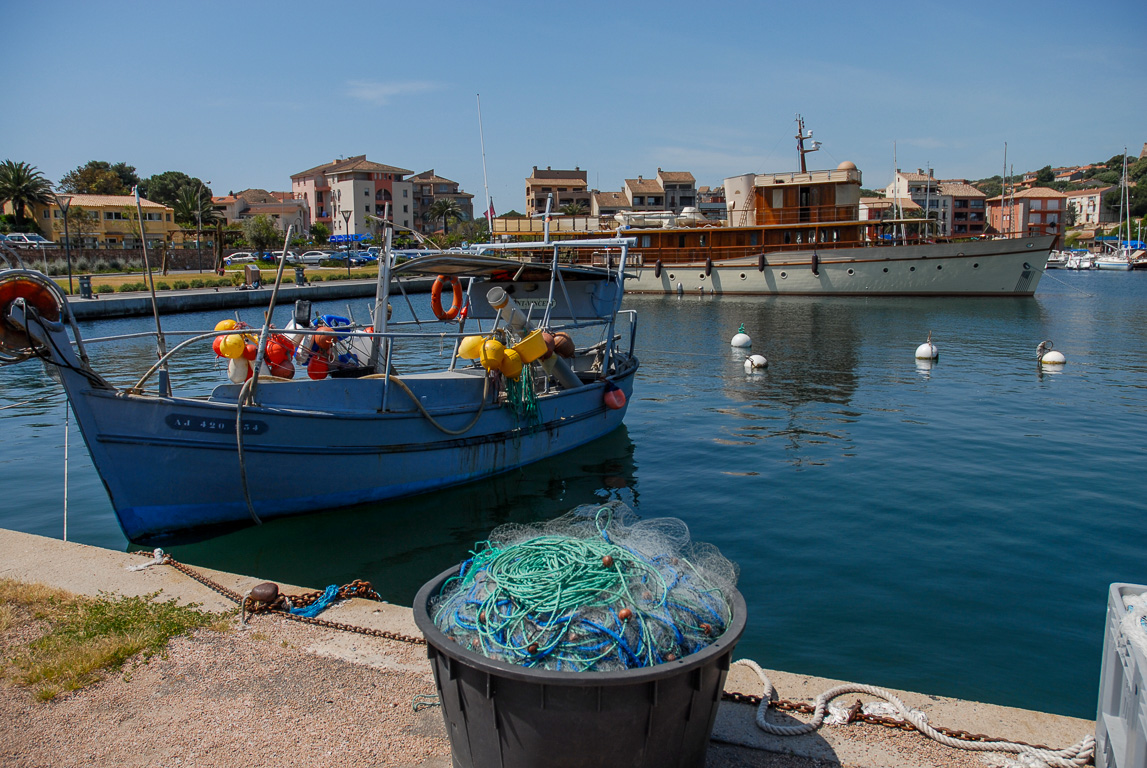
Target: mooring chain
{"x": 278, "y": 604}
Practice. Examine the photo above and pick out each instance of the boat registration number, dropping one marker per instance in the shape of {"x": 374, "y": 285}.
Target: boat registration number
{"x": 202, "y": 424}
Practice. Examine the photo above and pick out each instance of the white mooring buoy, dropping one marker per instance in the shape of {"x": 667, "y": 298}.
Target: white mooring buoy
{"x": 927, "y": 350}
{"x": 1048, "y": 356}
{"x": 755, "y": 363}
{"x": 741, "y": 339}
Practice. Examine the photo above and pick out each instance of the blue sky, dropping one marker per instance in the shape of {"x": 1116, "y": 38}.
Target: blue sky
{"x": 245, "y": 94}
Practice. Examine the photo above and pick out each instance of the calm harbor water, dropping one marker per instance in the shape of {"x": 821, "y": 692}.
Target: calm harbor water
{"x": 950, "y": 530}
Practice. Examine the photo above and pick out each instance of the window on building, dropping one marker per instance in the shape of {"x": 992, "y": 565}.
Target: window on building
{"x": 406, "y": 209}
{"x": 1053, "y": 205}
{"x": 638, "y": 200}
{"x": 755, "y": 238}
{"x": 646, "y": 241}
{"x": 404, "y": 192}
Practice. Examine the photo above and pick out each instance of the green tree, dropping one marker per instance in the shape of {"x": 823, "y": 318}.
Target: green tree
{"x": 99, "y": 177}
{"x": 1044, "y": 176}
{"x": 261, "y": 234}
{"x": 23, "y": 186}
{"x": 79, "y": 222}
{"x": 320, "y": 232}
{"x": 444, "y": 209}
{"x": 167, "y": 186}
{"x": 574, "y": 209}
{"x": 192, "y": 208}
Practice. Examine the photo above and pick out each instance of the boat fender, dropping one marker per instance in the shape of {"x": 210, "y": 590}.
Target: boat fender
{"x": 761, "y": 263}
{"x": 815, "y": 264}
{"x": 563, "y": 345}
{"x": 238, "y": 370}
{"x": 708, "y": 267}
{"x": 614, "y": 398}
{"x": 440, "y": 283}
{"x": 657, "y": 269}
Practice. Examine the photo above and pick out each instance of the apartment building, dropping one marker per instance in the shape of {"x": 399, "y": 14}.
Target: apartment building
{"x": 1035, "y": 211}
{"x": 343, "y": 193}
{"x": 1089, "y": 208}
{"x": 566, "y": 186}
{"x": 106, "y": 221}
{"x": 680, "y": 189}
{"x": 923, "y": 189}
{"x": 967, "y": 206}
{"x": 429, "y": 187}
{"x": 282, "y": 208}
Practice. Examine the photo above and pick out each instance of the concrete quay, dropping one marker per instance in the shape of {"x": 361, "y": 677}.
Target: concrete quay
{"x": 736, "y": 740}
{"x": 138, "y": 303}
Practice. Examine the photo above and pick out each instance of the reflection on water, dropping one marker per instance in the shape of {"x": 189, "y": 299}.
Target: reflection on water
{"x": 398, "y": 545}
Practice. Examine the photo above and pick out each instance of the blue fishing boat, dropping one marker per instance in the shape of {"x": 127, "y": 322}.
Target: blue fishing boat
{"x": 543, "y": 362}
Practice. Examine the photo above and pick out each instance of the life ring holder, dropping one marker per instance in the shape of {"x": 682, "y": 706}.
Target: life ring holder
{"x": 440, "y": 283}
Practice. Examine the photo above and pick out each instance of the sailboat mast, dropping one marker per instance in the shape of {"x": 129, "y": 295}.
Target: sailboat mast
{"x": 485, "y": 182}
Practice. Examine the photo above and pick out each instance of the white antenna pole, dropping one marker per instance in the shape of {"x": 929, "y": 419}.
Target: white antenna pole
{"x": 485, "y": 182}
{"x": 1004, "y": 191}
{"x": 67, "y": 425}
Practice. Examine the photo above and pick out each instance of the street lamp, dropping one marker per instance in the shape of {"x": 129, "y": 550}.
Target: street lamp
{"x": 199, "y": 225}
{"x": 346, "y": 228}
{"x": 65, "y": 202}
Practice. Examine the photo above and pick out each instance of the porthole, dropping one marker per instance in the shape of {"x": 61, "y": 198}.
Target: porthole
{"x": 701, "y": 276}
{"x": 975, "y": 265}
{"x": 1030, "y": 245}
{"x": 886, "y": 269}
{"x": 939, "y": 266}
{"x": 671, "y": 277}
{"x": 743, "y": 275}
{"x": 851, "y": 271}
{"x": 1026, "y": 265}
{"x": 912, "y": 269}
{"x": 784, "y": 275}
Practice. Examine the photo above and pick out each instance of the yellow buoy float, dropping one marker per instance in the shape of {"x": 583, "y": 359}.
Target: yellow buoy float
{"x": 491, "y": 355}
{"x": 471, "y": 348}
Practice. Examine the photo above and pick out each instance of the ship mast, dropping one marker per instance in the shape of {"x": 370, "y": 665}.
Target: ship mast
{"x": 801, "y": 136}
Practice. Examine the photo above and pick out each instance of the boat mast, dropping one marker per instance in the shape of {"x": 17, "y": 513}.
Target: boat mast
{"x": 801, "y": 136}
{"x": 485, "y": 182}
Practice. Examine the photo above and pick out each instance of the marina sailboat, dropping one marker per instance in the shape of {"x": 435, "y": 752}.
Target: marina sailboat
{"x": 1121, "y": 255}
{"x": 543, "y": 362}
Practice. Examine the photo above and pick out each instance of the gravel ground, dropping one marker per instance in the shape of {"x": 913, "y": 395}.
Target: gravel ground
{"x": 264, "y": 695}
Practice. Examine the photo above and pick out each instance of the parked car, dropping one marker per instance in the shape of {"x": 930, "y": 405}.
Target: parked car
{"x": 314, "y": 257}
{"x": 22, "y": 240}
{"x": 239, "y": 258}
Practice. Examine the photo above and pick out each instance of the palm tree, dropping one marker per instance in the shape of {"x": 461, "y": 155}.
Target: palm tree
{"x": 191, "y": 202}
{"x": 444, "y": 208}
{"x": 574, "y": 209}
{"x": 23, "y": 186}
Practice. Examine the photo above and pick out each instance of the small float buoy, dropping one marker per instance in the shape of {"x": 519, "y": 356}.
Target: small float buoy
{"x": 741, "y": 339}
{"x": 1048, "y": 356}
{"x": 755, "y": 362}
{"x": 927, "y": 350}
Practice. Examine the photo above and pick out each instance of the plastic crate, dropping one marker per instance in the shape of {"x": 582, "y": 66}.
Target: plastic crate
{"x": 1121, "y": 724}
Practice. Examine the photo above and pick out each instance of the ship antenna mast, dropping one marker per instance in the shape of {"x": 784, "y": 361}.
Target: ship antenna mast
{"x": 801, "y": 137}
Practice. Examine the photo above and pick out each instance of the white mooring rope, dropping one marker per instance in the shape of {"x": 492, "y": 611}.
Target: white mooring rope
{"x": 1077, "y": 755}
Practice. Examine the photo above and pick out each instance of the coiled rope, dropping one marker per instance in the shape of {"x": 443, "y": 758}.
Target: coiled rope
{"x": 1077, "y": 755}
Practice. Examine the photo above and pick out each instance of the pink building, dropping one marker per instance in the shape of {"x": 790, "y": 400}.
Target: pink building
{"x": 1035, "y": 211}
{"x": 343, "y": 193}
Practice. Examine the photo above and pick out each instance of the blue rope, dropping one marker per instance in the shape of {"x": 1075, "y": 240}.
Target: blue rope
{"x": 320, "y": 605}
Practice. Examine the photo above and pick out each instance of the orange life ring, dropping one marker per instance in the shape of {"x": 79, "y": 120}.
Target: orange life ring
{"x": 440, "y": 282}
{"x": 35, "y": 295}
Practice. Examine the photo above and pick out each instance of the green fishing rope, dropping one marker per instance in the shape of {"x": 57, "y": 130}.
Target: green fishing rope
{"x": 522, "y": 398}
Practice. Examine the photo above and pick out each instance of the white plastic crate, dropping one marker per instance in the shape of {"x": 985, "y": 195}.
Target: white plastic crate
{"x": 1121, "y": 724}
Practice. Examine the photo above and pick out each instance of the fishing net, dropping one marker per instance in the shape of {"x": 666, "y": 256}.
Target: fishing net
{"x": 522, "y": 398}
{"x": 597, "y": 589}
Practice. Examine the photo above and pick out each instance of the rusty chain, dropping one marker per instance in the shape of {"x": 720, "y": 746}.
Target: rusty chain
{"x": 855, "y": 715}
{"x": 278, "y": 607}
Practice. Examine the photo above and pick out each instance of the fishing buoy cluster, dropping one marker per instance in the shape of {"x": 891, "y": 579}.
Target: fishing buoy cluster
{"x": 596, "y": 590}
{"x": 493, "y": 355}
{"x": 240, "y": 349}
{"x": 319, "y": 350}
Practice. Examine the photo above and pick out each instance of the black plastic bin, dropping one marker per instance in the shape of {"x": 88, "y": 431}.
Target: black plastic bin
{"x": 85, "y": 286}
{"x": 504, "y": 715}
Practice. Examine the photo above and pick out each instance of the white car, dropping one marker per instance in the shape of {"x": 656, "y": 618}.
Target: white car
{"x": 239, "y": 258}
{"x": 22, "y": 240}
{"x": 314, "y": 257}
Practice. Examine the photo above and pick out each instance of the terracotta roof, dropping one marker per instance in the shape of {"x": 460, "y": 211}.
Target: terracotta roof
{"x": 676, "y": 176}
{"x": 1092, "y": 191}
{"x": 959, "y": 189}
{"x": 431, "y": 177}
{"x": 610, "y": 200}
{"x": 889, "y": 202}
{"x": 702, "y": 190}
{"x": 256, "y": 195}
{"x": 223, "y": 199}
{"x": 1042, "y": 193}
{"x": 643, "y": 186}
{"x": 915, "y": 176}
{"x": 98, "y": 200}
{"x": 273, "y": 207}
{"x": 356, "y": 163}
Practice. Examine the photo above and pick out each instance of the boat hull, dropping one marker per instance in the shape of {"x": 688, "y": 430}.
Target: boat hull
{"x": 189, "y": 478}
{"x": 1009, "y": 267}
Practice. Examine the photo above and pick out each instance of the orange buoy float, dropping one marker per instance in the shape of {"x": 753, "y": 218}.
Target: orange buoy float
{"x": 614, "y": 398}
{"x": 440, "y": 283}
{"x": 215, "y": 346}
{"x": 324, "y": 337}
{"x": 563, "y": 345}
{"x": 284, "y": 369}
{"x": 318, "y": 367}
{"x": 250, "y": 351}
